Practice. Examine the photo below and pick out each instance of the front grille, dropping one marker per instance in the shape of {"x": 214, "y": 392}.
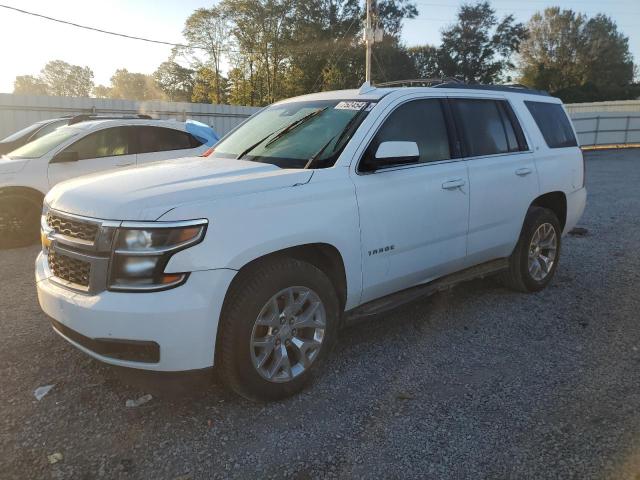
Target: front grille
{"x": 72, "y": 228}
{"x": 69, "y": 269}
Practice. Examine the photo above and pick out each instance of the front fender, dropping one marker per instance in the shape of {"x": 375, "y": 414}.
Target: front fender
{"x": 244, "y": 228}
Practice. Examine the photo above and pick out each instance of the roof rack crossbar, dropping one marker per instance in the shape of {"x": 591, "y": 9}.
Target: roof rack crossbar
{"x": 496, "y": 88}
{"x": 86, "y": 117}
{"x": 452, "y": 82}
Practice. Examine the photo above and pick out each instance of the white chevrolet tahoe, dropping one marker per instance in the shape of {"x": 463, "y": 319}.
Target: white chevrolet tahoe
{"x": 317, "y": 210}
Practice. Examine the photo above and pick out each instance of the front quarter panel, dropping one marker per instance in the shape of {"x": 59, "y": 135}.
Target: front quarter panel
{"x": 246, "y": 227}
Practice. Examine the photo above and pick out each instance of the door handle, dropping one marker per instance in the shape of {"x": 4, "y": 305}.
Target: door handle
{"x": 453, "y": 184}
{"x": 521, "y": 172}
{"x": 124, "y": 164}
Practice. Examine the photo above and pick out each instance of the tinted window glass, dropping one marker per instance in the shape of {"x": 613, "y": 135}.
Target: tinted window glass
{"x": 483, "y": 128}
{"x": 50, "y": 127}
{"x": 158, "y": 139}
{"x": 420, "y": 121}
{"x": 512, "y": 126}
{"x": 45, "y": 144}
{"x": 109, "y": 142}
{"x": 553, "y": 124}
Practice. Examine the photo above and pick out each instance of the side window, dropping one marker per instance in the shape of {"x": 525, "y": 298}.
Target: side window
{"x": 48, "y": 129}
{"x": 159, "y": 139}
{"x": 109, "y": 142}
{"x": 484, "y": 129}
{"x": 420, "y": 121}
{"x": 512, "y": 128}
{"x": 553, "y": 124}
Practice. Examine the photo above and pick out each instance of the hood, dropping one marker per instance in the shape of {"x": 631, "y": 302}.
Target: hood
{"x": 12, "y": 165}
{"x": 147, "y": 192}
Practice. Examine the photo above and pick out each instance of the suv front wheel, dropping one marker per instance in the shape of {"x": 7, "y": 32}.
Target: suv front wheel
{"x": 535, "y": 258}
{"x": 277, "y": 326}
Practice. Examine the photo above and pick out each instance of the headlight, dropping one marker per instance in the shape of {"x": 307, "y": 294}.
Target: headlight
{"x": 142, "y": 251}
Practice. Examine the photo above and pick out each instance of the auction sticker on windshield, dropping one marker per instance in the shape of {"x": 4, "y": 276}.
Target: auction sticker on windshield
{"x": 350, "y": 105}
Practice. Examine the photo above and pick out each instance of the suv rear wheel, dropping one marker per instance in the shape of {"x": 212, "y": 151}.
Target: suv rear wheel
{"x": 535, "y": 258}
{"x": 277, "y": 327}
{"x": 19, "y": 220}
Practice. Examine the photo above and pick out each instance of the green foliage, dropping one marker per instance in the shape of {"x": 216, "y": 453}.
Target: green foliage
{"x": 175, "y": 81}
{"x": 134, "y": 86}
{"x": 478, "y": 48}
{"x": 576, "y": 57}
{"x": 57, "y": 78}
{"x": 29, "y": 85}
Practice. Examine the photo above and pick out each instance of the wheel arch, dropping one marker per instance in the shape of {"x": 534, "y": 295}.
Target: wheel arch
{"x": 556, "y": 202}
{"x": 324, "y": 256}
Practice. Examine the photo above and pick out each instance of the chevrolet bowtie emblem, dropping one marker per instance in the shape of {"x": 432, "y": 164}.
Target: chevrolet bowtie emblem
{"x": 46, "y": 240}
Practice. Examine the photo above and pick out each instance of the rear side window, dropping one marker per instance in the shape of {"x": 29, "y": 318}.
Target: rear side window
{"x": 488, "y": 127}
{"x": 553, "y": 124}
{"x": 159, "y": 139}
{"x": 420, "y": 121}
{"x": 109, "y": 142}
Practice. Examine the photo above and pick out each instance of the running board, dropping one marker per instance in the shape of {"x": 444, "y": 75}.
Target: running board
{"x": 394, "y": 300}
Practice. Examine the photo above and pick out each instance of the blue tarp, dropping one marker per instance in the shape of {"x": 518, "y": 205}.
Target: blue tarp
{"x": 202, "y": 132}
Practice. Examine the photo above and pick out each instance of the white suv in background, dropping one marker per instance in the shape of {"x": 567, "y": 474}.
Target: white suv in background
{"x": 86, "y": 145}
{"x": 317, "y": 210}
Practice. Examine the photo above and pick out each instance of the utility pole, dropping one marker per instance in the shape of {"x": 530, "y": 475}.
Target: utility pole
{"x": 368, "y": 40}
{"x": 371, "y": 36}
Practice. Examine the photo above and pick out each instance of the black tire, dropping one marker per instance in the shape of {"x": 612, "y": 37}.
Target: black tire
{"x": 517, "y": 276}
{"x": 19, "y": 220}
{"x": 248, "y": 294}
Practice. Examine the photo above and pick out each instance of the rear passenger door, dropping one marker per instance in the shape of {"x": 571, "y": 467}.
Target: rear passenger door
{"x": 413, "y": 216}
{"x": 160, "y": 143}
{"x": 502, "y": 175}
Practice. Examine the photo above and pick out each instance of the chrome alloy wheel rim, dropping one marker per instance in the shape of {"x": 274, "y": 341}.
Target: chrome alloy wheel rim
{"x": 542, "y": 251}
{"x": 288, "y": 334}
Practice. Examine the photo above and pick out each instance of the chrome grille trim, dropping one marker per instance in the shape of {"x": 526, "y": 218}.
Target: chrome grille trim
{"x": 79, "y": 264}
{"x": 72, "y": 229}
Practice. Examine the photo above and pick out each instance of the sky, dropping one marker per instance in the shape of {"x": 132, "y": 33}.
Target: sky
{"x": 29, "y": 42}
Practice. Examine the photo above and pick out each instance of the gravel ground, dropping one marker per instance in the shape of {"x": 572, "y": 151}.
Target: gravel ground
{"x": 478, "y": 382}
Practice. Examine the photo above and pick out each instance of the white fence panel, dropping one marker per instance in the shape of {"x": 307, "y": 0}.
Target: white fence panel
{"x": 19, "y": 111}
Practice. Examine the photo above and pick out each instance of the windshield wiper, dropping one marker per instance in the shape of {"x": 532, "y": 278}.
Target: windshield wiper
{"x": 344, "y": 132}
{"x": 296, "y": 124}
{"x": 280, "y": 133}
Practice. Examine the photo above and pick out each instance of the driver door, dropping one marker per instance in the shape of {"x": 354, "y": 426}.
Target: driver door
{"x": 102, "y": 150}
{"x": 413, "y": 216}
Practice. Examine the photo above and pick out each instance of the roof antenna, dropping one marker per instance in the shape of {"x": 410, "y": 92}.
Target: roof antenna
{"x": 366, "y": 88}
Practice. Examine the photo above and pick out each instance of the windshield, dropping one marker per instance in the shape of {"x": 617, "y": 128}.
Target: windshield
{"x": 44, "y": 144}
{"x": 21, "y": 133}
{"x": 291, "y": 135}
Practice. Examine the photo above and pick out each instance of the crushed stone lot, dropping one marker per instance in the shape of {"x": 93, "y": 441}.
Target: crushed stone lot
{"x": 476, "y": 382}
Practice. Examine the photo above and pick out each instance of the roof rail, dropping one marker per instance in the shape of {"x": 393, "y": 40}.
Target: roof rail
{"x": 496, "y": 88}
{"x": 87, "y": 117}
{"x": 419, "y": 82}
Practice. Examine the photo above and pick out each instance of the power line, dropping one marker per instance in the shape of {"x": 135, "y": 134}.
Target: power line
{"x": 94, "y": 29}
{"x": 302, "y": 47}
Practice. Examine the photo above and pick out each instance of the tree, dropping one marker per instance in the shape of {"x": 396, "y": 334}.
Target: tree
{"x": 175, "y": 81}
{"x": 64, "y": 79}
{"x": 57, "y": 78}
{"x": 585, "y": 58}
{"x": 479, "y": 47}
{"x": 134, "y": 86}
{"x": 29, "y": 85}
{"x": 207, "y": 86}
{"x": 207, "y": 29}
{"x": 425, "y": 61}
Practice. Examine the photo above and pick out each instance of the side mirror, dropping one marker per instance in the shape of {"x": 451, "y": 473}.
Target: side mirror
{"x": 65, "y": 156}
{"x": 393, "y": 153}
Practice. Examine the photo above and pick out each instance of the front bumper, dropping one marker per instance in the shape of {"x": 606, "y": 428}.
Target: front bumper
{"x": 183, "y": 321}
